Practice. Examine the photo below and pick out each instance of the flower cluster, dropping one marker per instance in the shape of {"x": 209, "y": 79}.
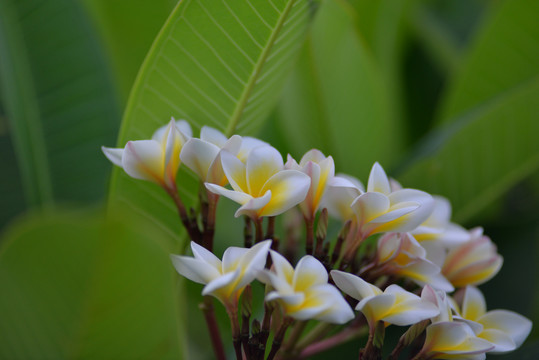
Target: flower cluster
{"x": 397, "y": 260}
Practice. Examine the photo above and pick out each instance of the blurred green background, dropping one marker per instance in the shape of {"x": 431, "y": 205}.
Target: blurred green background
{"x": 444, "y": 94}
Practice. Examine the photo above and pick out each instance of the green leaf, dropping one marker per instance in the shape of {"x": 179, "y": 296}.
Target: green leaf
{"x": 218, "y": 64}
{"x": 77, "y": 287}
{"x": 58, "y": 99}
{"x": 335, "y": 99}
{"x": 128, "y": 29}
{"x": 489, "y": 138}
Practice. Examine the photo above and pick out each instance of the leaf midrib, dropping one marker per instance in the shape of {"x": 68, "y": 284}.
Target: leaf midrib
{"x": 240, "y": 107}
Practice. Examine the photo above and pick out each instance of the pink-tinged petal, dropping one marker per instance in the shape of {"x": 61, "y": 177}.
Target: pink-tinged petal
{"x": 205, "y": 255}
{"x": 194, "y": 269}
{"x": 369, "y": 206}
{"x": 236, "y": 196}
{"x": 389, "y": 246}
{"x": 378, "y": 181}
{"x": 144, "y": 160}
{"x": 337, "y": 310}
{"x": 313, "y": 155}
{"x": 282, "y": 267}
{"x": 473, "y": 304}
{"x": 477, "y": 273}
{"x": 198, "y": 156}
{"x": 213, "y": 136}
{"x": 248, "y": 144}
{"x": 353, "y": 285}
{"x": 394, "y": 185}
{"x": 221, "y": 286}
{"x": 288, "y": 188}
{"x": 291, "y": 163}
{"x": 113, "y": 154}
{"x": 253, "y": 207}
{"x": 440, "y": 300}
{"x": 515, "y": 325}
{"x": 262, "y": 163}
{"x": 501, "y": 341}
{"x": 295, "y": 299}
{"x": 235, "y": 172}
{"x": 309, "y": 272}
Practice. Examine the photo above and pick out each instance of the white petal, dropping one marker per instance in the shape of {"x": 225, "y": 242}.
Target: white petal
{"x": 221, "y": 283}
{"x": 232, "y": 257}
{"x": 248, "y": 144}
{"x": 501, "y": 341}
{"x": 236, "y": 196}
{"x": 473, "y": 304}
{"x": 348, "y": 179}
{"x": 253, "y": 262}
{"x": 113, "y": 154}
{"x": 144, "y": 159}
{"x": 313, "y": 155}
{"x": 262, "y": 163}
{"x": 198, "y": 155}
{"x": 160, "y": 134}
{"x": 515, "y": 325}
{"x": 418, "y": 216}
{"x": 375, "y": 308}
{"x": 288, "y": 188}
{"x": 337, "y": 310}
{"x": 378, "y": 181}
{"x": 194, "y": 269}
{"x": 369, "y": 206}
{"x": 205, "y": 255}
{"x": 394, "y": 214}
{"x": 235, "y": 171}
{"x": 448, "y": 335}
{"x": 435, "y": 252}
{"x": 184, "y": 128}
{"x": 309, "y": 272}
{"x": 454, "y": 235}
{"x": 353, "y": 285}
{"x": 291, "y": 163}
{"x": 213, "y": 136}
{"x": 280, "y": 284}
{"x": 338, "y": 201}
{"x": 253, "y": 208}
{"x": 294, "y": 299}
{"x": 282, "y": 267}
{"x": 441, "y": 212}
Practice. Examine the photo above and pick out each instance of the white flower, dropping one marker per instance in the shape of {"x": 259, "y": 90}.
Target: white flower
{"x": 261, "y": 185}
{"x": 393, "y": 305}
{"x": 401, "y": 254}
{"x": 474, "y": 262}
{"x": 380, "y": 210}
{"x": 340, "y": 194}
{"x": 438, "y": 227}
{"x": 155, "y": 160}
{"x": 223, "y": 279}
{"x": 321, "y": 170}
{"x": 304, "y": 293}
{"x": 506, "y": 330}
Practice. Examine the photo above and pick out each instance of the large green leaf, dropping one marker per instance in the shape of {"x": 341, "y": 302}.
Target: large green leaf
{"x": 214, "y": 63}
{"x": 489, "y": 141}
{"x": 77, "y": 287}
{"x": 58, "y": 99}
{"x": 335, "y": 99}
{"x": 128, "y": 29}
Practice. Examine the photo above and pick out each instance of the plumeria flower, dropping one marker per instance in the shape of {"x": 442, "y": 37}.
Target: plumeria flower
{"x": 400, "y": 254}
{"x": 341, "y": 192}
{"x": 225, "y": 279}
{"x": 506, "y": 330}
{"x": 453, "y": 340}
{"x": 380, "y": 210}
{"x": 202, "y": 155}
{"x": 156, "y": 160}
{"x": 438, "y": 226}
{"x": 261, "y": 185}
{"x": 394, "y": 305}
{"x": 474, "y": 262}
{"x": 304, "y": 292}
{"x": 321, "y": 170}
